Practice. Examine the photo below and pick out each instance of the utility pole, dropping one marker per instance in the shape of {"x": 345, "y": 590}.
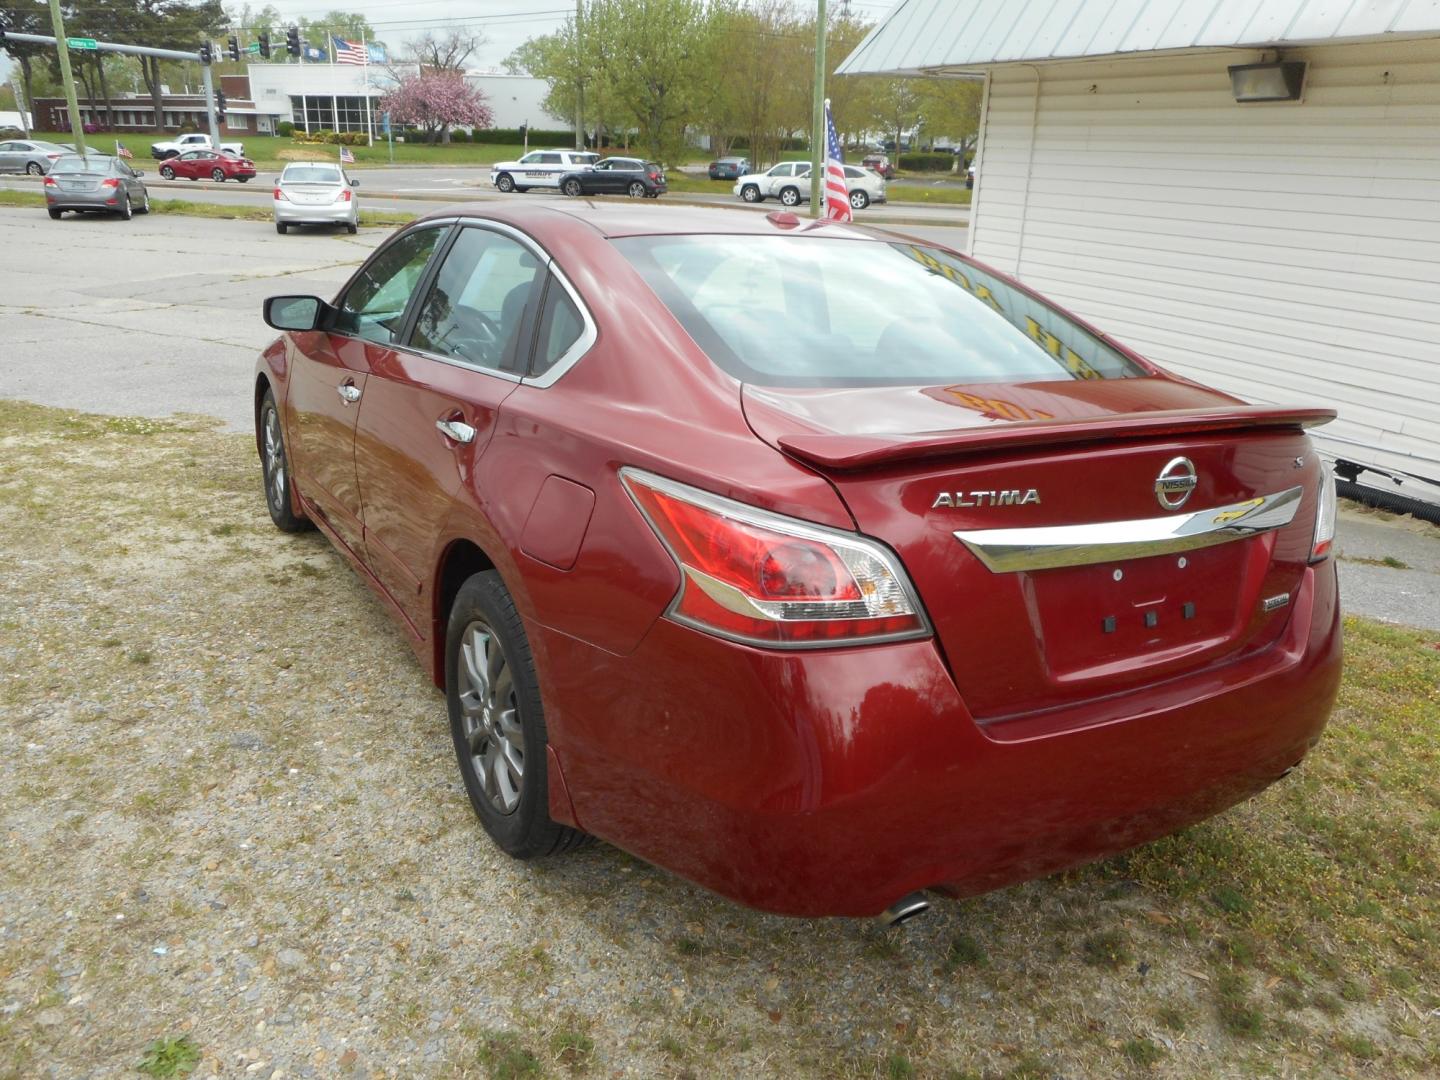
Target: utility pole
{"x": 817, "y": 125}
{"x": 77, "y": 126}
{"x": 579, "y": 74}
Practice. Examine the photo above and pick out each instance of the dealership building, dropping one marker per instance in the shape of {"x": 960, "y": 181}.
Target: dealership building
{"x": 1248, "y": 194}
{"x": 313, "y": 97}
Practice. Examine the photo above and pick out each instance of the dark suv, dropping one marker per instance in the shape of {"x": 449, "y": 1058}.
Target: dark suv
{"x": 617, "y": 176}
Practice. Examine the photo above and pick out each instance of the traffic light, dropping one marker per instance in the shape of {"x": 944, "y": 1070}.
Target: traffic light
{"x": 207, "y": 54}
{"x": 292, "y": 41}
{"x": 234, "y": 47}
{"x": 219, "y": 106}
{"x": 265, "y": 46}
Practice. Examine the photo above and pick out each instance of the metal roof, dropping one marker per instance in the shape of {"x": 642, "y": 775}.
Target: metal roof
{"x": 971, "y": 35}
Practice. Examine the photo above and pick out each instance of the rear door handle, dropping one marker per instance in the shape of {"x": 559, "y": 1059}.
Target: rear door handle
{"x": 454, "y": 429}
{"x": 349, "y": 393}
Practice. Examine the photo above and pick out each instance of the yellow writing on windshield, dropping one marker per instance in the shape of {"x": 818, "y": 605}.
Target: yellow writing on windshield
{"x": 1077, "y": 364}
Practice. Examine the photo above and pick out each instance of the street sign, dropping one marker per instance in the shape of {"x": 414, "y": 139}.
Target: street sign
{"x": 81, "y": 42}
{"x": 253, "y": 48}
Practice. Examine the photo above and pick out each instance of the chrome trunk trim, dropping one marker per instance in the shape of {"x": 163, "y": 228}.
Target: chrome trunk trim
{"x": 1049, "y": 546}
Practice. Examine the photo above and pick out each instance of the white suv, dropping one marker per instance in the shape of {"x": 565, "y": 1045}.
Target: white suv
{"x": 790, "y": 183}
{"x": 540, "y": 168}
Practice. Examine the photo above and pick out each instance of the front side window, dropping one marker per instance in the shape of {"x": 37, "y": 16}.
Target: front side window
{"x": 374, "y": 306}
{"x": 476, "y": 308}
{"x": 783, "y": 170}
{"x": 811, "y": 311}
{"x": 530, "y": 159}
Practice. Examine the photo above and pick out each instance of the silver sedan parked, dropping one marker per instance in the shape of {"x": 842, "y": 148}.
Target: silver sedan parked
{"x": 315, "y": 193}
{"x": 31, "y": 156}
{"x": 95, "y": 182}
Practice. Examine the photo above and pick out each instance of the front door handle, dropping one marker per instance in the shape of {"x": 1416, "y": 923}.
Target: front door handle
{"x": 349, "y": 393}
{"x": 454, "y": 429}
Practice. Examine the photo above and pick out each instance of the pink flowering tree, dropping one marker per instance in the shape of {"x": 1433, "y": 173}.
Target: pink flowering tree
{"x": 435, "y": 101}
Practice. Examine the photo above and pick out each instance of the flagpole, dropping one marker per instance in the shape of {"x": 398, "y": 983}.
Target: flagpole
{"x": 817, "y": 122}
{"x": 365, "y": 90}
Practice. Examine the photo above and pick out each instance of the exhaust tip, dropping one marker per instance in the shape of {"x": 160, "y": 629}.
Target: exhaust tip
{"x": 904, "y": 909}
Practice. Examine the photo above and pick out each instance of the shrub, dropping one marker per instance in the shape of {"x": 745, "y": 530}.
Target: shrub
{"x": 933, "y": 162}
{"x": 459, "y": 135}
{"x": 538, "y": 136}
{"x": 285, "y": 129}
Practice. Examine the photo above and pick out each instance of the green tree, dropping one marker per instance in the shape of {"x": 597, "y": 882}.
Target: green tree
{"x": 28, "y": 17}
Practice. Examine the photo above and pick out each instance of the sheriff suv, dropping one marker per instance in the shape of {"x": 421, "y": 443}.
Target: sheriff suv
{"x": 540, "y": 168}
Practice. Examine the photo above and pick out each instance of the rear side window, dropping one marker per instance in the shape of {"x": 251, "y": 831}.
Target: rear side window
{"x": 475, "y": 311}
{"x": 560, "y": 327}
{"x": 812, "y": 311}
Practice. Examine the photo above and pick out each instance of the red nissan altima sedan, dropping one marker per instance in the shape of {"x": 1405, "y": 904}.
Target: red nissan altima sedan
{"x": 821, "y": 566}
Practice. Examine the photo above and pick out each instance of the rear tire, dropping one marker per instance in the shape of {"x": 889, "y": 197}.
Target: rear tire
{"x": 126, "y": 210}
{"x": 281, "y": 227}
{"x": 275, "y": 470}
{"x": 144, "y": 207}
{"x": 55, "y": 214}
{"x": 789, "y": 196}
{"x": 637, "y": 189}
{"x": 218, "y": 175}
{"x": 35, "y": 169}
{"x": 572, "y": 188}
{"x": 352, "y": 228}
{"x": 859, "y": 200}
{"x": 497, "y": 722}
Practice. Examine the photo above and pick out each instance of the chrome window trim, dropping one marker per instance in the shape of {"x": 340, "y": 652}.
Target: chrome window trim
{"x": 1048, "y": 547}
{"x": 589, "y": 333}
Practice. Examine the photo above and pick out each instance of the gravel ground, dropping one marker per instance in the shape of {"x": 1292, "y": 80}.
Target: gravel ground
{"x": 231, "y": 815}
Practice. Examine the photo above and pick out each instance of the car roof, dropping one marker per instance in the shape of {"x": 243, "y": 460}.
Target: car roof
{"x": 615, "y": 220}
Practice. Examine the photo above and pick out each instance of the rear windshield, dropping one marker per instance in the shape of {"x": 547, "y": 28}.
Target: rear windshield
{"x": 812, "y": 311}
{"x": 310, "y": 174}
{"x": 74, "y": 163}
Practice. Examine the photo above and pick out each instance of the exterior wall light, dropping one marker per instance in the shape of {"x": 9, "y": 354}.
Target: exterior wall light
{"x": 1278, "y": 81}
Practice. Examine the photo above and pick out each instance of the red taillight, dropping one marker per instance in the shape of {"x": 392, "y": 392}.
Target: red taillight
{"x": 110, "y": 183}
{"x": 50, "y": 181}
{"x": 281, "y": 195}
{"x": 1325, "y": 507}
{"x": 54, "y": 157}
{"x": 753, "y": 576}
{"x": 344, "y": 195}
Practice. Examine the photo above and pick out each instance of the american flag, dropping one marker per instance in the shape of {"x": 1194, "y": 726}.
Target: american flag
{"x": 348, "y": 52}
{"x": 120, "y": 150}
{"x": 837, "y": 194}
{"x": 347, "y": 156}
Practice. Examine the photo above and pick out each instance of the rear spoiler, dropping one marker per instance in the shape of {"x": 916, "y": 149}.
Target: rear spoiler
{"x": 846, "y": 452}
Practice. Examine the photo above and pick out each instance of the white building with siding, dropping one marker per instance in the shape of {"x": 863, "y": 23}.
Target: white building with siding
{"x": 1288, "y": 252}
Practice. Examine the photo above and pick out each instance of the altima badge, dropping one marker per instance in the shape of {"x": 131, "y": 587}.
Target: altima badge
{"x": 1013, "y": 497}
{"x": 1175, "y": 483}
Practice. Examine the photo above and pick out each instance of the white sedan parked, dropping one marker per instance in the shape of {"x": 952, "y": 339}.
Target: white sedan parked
{"x": 790, "y": 183}
{"x": 315, "y": 193}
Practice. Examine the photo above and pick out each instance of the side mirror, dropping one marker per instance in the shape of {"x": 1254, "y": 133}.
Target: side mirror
{"x": 294, "y": 312}
{"x": 354, "y": 183}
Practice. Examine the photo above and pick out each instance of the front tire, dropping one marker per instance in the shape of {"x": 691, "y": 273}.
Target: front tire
{"x": 497, "y": 721}
{"x": 789, "y": 196}
{"x": 167, "y": 172}
{"x": 275, "y": 470}
{"x": 505, "y": 182}
{"x": 751, "y": 194}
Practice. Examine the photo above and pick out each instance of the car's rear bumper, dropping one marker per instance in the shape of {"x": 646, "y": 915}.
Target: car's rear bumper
{"x": 835, "y": 782}
{"x": 85, "y": 200}
{"x": 289, "y": 213}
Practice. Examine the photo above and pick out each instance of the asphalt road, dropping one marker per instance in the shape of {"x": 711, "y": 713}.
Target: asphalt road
{"x": 160, "y": 315}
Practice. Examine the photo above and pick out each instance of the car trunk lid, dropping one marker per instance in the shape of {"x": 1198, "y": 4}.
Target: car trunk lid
{"x": 1055, "y": 565}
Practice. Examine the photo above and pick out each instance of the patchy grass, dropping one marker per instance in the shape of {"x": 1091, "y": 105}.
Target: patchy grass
{"x": 170, "y": 1056}
{"x": 1365, "y": 560}
{"x": 270, "y": 805}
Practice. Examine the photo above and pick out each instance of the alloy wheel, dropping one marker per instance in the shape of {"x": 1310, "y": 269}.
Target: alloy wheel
{"x": 572, "y": 188}
{"x": 167, "y": 172}
{"x": 790, "y": 197}
{"x": 274, "y": 462}
{"x": 859, "y": 200}
{"x": 218, "y": 175}
{"x": 637, "y": 189}
{"x": 35, "y": 168}
{"x": 750, "y": 193}
{"x": 490, "y": 715}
